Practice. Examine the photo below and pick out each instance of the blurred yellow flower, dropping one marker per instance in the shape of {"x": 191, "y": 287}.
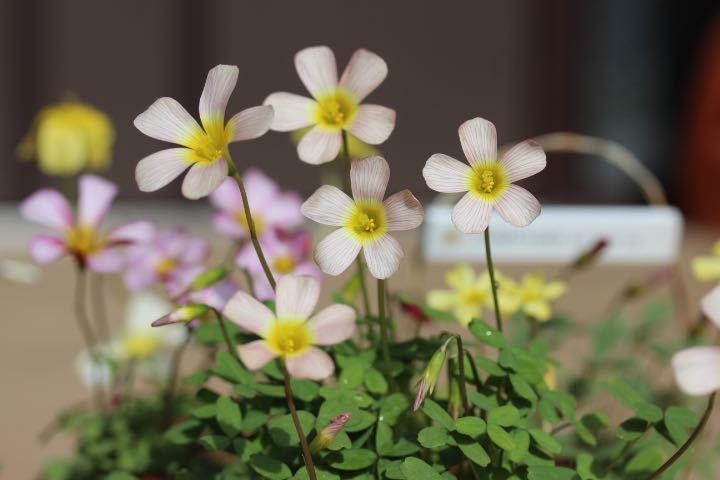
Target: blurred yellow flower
{"x": 69, "y": 137}
{"x": 550, "y": 377}
{"x": 471, "y": 293}
{"x": 707, "y": 268}
{"x": 535, "y": 295}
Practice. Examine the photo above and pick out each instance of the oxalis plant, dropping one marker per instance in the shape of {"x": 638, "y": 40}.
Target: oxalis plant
{"x": 291, "y": 387}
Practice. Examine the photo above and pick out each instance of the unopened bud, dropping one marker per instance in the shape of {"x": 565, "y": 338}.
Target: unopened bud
{"x": 455, "y": 404}
{"x": 209, "y": 278}
{"x": 326, "y": 436}
{"x": 658, "y": 277}
{"x": 183, "y": 314}
{"x": 590, "y": 256}
{"x": 431, "y": 374}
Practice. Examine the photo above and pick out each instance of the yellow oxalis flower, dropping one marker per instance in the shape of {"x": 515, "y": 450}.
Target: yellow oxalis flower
{"x": 535, "y": 295}
{"x": 69, "y": 137}
{"x": 707, "y": 268}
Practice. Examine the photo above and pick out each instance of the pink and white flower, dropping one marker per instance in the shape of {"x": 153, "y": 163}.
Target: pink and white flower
{"x": 205, "y": 150}
{"x": 365, "y": 220}
{"x": 270, "y": 207}
{"x": 335, "y": 106}
{"x": 292, "y": 332}
{"x": 286, "y": 254}
{"x": 489, "y": 183}
{"x": 81, "y": 236}
{"x": 173, "y": 258}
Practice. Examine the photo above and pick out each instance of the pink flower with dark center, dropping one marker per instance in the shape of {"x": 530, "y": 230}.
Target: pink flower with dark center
{"x": 81, "y": 236}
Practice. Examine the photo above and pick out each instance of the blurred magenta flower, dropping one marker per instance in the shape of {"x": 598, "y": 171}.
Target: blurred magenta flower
{"x": 286, "y": 253}
{"x": 216, "y": 295}
{"x": 81, "y": 236}
{"x": 172, "y": 257}
{"x": 270, "y": 207}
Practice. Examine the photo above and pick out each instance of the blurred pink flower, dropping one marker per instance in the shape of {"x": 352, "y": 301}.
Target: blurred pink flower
{"x": 285, "y": 253}
{"x": 81, "y": 236}
{"x": 173, "y": 258}
{"x": 216, "y": 295}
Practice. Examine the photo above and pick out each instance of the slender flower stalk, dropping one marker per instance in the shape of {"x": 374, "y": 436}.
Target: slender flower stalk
{"x": 226, "y": 335}
{"x": 173, "y": 377}
{"x": 461, "y": 374}
{"x": 384, "y": 336}
{"x": 493, "y": 284}
{"x": 307, "y": 455}
{"x": 99, "y": 307}
{"x": 86, "y": 329}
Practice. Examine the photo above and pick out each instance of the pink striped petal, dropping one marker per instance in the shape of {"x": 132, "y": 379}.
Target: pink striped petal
{"x": 94, "y": 199}
{"x": 369, "y": 178}
{"x": 256, "y": 355}
{"x": 317, "y": 69}
{"x": 518, "y": 206}
{"x": 383, "y": 256}
{"x": 138, "y": 277}
{"x": 710, "y": 305}
{"x": 219, "y": 85}
{"x": 373, "y": 124}
{"x": 48, "y": 207}
{"x": 107, "y": 260}
{"x": 227, "y": 224}
{"x": 447, "y": 175}
{"x": 248, "y": 313}
{"x": 319, "y": 146}
{"x": 697, "y": 370}
{"x": 403, "y": 211}
{"x": 479, "y": 141}
{"x": 284, "y": 211}
{"x": 328, "y": 205}
{"x": 523, "y": 160}
{"x": 46, "y": 249}
{"x": 250, "y": 123}
{"x": 260, "y": 188}
{"x": 227, "y": 197}
{"x": 157, "y": 170}
{"x": 336, "y": 252}
{"x": 296, "y": 296}
{"x": 133, "y": 232}
{"x": 196, "y": 250}
{"x": 472, "y": 214}
{"x": 204, "y": 178}
{"x": 167, "y": 120}
{"x": 364, "y": 72}
{"x": 314, "y": 364}
{"x": 333, "y": 324}
{"x": 292, "y": 112}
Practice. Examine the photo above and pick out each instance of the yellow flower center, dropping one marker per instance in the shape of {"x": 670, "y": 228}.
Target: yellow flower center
{"x": 289, "y": 337}
{"x": 473, "y": 297}
{"x": 165, "y": 266}
{"x": 367, "y": 221}
{"x": 84, "y": 240}
{"x": 284, "y": 264}
{"x": 488, "y": 181}
{"x": 335, "y": 110}
{"x": 141, "y": 345}
{"x": 242, "y": 219}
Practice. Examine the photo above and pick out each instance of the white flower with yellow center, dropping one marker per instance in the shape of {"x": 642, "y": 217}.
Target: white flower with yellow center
{"x": 365, "y": 220}
{"x": 291, "y": 333}
{"x": 205, "y": 150}
{"x": 335, "y": 106}
{"x": 489, "y": 183}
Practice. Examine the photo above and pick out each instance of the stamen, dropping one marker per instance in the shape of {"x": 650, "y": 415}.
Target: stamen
{"x": 487, "y": 181}
{"x": 367, "y": 223}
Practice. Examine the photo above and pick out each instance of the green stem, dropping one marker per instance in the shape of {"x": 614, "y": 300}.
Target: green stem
{"x": 384, "y": 337}
{"x": 347, "y": 163}
{"x": 491, "y": 270}
{"x": 307, "y": 455}
{"x": 226, "y": 335}
{"x": 690, "y": 440}
{"x": 86, "y": 329}
{"x": 461, "y": 374}
{"x": 172, "y": 379}
{"x": 474, "y": 369}
{"x": 99, "y": 309}
{"x": 365, "y": 296}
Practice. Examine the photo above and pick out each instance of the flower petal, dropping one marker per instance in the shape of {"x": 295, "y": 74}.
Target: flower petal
{"x": 319, "y": 146}
{"x": 46, "y": 249}
{"x": 219, "y": 85}
{"x": 373, "y": 124}
{"x": 311, "y": 365}
{"x": 261, "y": 189}
{"x": 292, "y": 112}
{"x": 284, "y": 211}
{"x": 256, "y": 354}
{"x": 333, "y": 324}
{"x": 227, "y": 224}
{"x": 94, "y": 199}
{"x": 133, "y": 232}
{"x": 697, "y": 370}
{"x": 472, "y": 214}
{"x": 403, "y": 211}
{"x": 523, "y": 160}
{"x": 479, "y": 141}
{"x": 107, "y": 260}
{"x": 167, "y": 120}
{"x": 710, "y": 305}
{"x": 203, "y": 178}
{"x": 296, "y": 296}
{"x": 518, "y": 206}
{"x": 538, "y": 309}
{"x": 246, "y": 312}
{"x": 369, "y": 178}
{"x": 336, "y": 252}
{"x": 328, "y": 205}
{"x": 364, "y": 72}
{"x": 157, "y": 170}
{"x": 227, "y": 196}
{"x": 383, "y": 256}
{"x": 48, "y": 207}
{"x": 706, "y": 268}
{"x": 250, "y": 123}
{"x": 138, "y": 277}
{"x": 441, "y": 299}
{"x": 445, "y": 174}
{"x": 317, "y": 69}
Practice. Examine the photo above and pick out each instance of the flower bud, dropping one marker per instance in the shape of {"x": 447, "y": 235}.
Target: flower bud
{"x": 455, "y": 403}
{"x": 431, "y": 374}
{"x": 183, "y": 314}
{"x": 326, "y": 436}
{"x": 209, "y": 277}
{"x": 590, "y": 256}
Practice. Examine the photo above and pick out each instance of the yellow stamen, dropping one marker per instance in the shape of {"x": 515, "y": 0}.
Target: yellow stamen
{"x": 165, "y": 266}
{"x": 85, "y": 240}
{"x": 242, "y": 219}
{"x": 289, "y": 337}
{"x": 488, "y": 181}
{"x": 284, "y": 264}
{"x": 367, "y": 220}
{"x": 335, "y": 110}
